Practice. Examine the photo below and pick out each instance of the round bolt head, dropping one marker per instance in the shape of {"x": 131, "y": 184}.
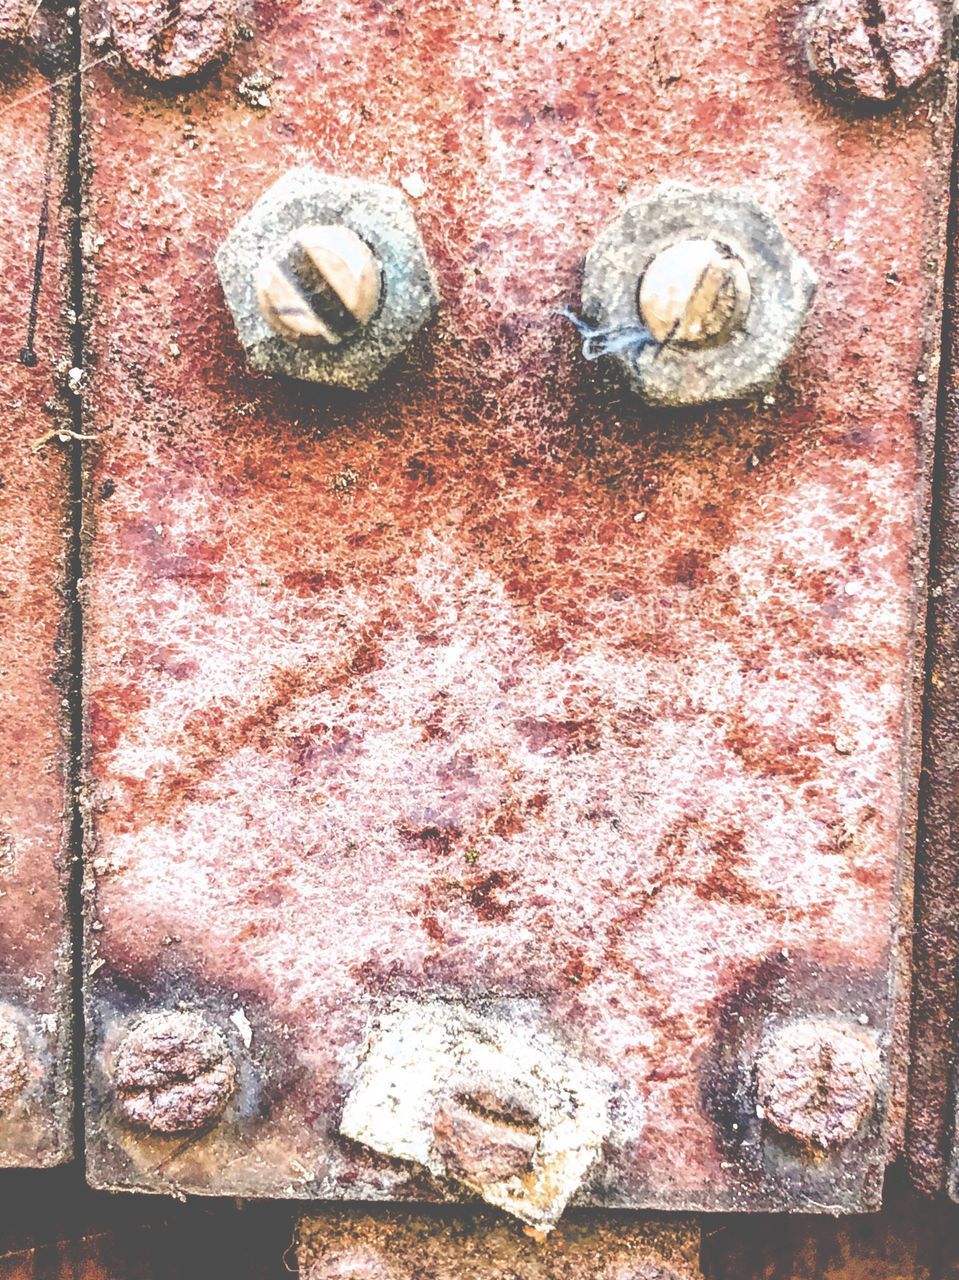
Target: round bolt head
{"x": 738, "y": 322}
{"x": 817, "y": 1081}
{"x": 172, "y": 41}
{"x": 321, "y": 286}
{"x": 14, "y": 1067}
{"x": 696, "y": 291}
{"x": 872, "y": 52}
{"x": 172, "y": 1072}
{"x": 365, "y": 241}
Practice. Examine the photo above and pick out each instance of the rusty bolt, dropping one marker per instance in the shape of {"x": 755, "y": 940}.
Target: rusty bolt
{"x": 713, "y": 277}
{"x": 173, "y": 1072}
{"x": 321, "y": 286}
{"x": 172, "y": 39}
{"x": 872, "y": 49}
{"x": 14, "y": 1068}
{"x": 481, "y": 1138}
{"x": 695, "y": 291}
{"x": 817, "y": 1081}
{"x": 353, "y": 255}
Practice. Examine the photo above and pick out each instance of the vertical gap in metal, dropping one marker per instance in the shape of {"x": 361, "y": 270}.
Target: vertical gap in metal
{"x": 74, "y": 204}
{"x": 936, "y": 947}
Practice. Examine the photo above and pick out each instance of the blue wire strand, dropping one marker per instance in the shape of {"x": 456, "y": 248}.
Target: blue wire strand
{"x": 629, "y": 340}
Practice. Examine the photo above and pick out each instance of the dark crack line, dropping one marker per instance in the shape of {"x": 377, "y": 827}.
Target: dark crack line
{"x": 28, "y": 354}
{"x": 73, "y": 208}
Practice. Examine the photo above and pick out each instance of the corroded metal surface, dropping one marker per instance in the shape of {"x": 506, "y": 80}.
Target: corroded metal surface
{"x": 490, "y": 684}
{"x": 401, "y": 1245}
{"x": 932, "y": 1147}
{"x": 34, "y": 635}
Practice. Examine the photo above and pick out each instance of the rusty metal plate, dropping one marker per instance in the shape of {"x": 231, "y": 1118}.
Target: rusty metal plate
{"x": 402, "y": 1245}
{"x": 35, "y": 650}
{"x": 487, "y": 703}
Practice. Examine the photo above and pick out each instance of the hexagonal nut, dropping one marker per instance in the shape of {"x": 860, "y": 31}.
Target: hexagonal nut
{"x": 380, "y": 216}
{"x": 748, "y": 360}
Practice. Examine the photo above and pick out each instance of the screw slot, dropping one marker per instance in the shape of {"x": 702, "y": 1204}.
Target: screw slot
{"x": 482, "y": 1137}
{"x": 322, "y": 287}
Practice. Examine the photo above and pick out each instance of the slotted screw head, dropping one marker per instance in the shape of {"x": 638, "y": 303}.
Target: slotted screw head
{"x": 366, "y": 277}
{"x": 172, "y": 39}
{"x": 694, "y": 292}
{"x": 872, "y": 52}
{"x": 484, "y": 1138}
{"x": 173, "y": 1072}
{"x": 713, "y": 279}
{"x": 321, "y": 286}
{"x": 817, "y": 1080}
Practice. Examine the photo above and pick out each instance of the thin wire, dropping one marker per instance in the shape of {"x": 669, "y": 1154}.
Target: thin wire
{"x": 55, "y": 84}
{"x": 28, "y": 355}
{"x": 36, "y": 10}
{"x": 629, "y": 340}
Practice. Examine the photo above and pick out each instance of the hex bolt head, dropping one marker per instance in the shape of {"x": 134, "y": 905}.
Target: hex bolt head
{"x": 14, "y": 1065}
{"x": 321, "y": 286}
{"x": 712, "y": 277}
{"x": 172, "y": 39}
{"x": 694, "y": 292}
{"x": 864, "y": 50}
{"x": 817, "y": 1081}
{"x": 172, "y": 1072}
{"x": 354, "y": 256}
{"x": 480, "y": 1137}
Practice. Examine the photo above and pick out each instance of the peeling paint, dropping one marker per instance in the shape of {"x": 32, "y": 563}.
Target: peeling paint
{"x": 420, "y": 1057}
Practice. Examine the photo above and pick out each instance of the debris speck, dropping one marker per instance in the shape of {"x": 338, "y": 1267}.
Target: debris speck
{"x": 242, "y": 1023}
{"x": 254, "y": 90}
{"x": 414, "y": 185}
{"x": 345, "y": 480}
